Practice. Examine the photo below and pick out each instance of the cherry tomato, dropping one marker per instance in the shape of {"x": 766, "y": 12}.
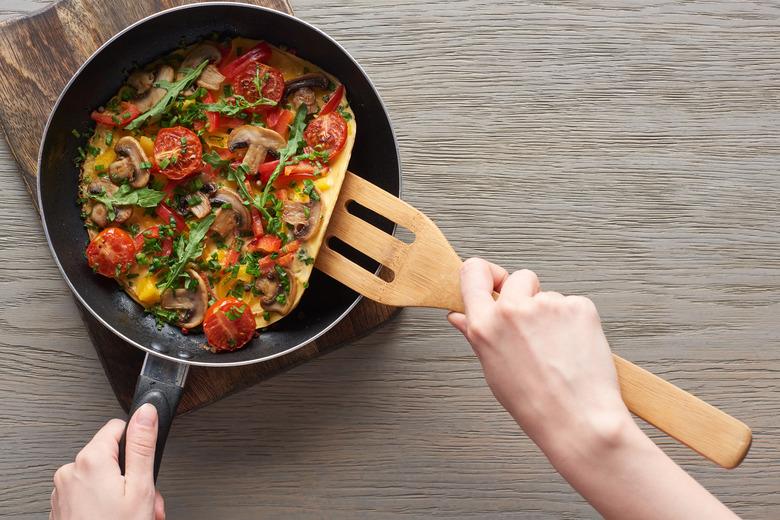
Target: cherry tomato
{"x": 271, "y": 79}
{"x": 177, "y": 152}
{"x": 260, "y": 53}
{"x": 111, "y": 252}
{"x": 165, "y": 245}
{"x": 327, "y": 133}
{"x": 333, "y": 102}
{"x": 127, "y": 112}
{"x": 228, "y": 324}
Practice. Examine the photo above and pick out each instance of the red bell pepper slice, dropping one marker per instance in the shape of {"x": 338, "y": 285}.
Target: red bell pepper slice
{"x": 265, "y": 244}
{"x": 286, "y": 260}
{"x": 259, "y": 53}
{"x": 231, "y": 258}
{"x": 212, "y": 118}
{"x": 333, "y": 102}
{"x": 257, "y": 222}
{"x": 166, "y": 214}
{"x": 127, "y": 113}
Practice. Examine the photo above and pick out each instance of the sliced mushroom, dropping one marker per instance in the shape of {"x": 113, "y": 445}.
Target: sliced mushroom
{"x": 203, "y": 207}
{"x": 99, "y": 212}
{"x": 304, "y": 219}
{"x": 210, "y": 78}
{"x": 257, "y": 141}
{"x": 190, "y": 305}
{"x": 236, "y": 217}
{"x": 304, "y": 96}
{"x": 132, "y": 165}
{"x": 270, "y": 287}
{"x": 310, "y": 81}
{"x": 154, "y": 94}
{"x": 141, "y": 81}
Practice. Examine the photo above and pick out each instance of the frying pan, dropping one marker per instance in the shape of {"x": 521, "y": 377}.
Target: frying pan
{"x": 168, "y": 352}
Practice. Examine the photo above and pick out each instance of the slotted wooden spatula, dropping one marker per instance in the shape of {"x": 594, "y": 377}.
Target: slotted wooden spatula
{"x": 426, "y": 275}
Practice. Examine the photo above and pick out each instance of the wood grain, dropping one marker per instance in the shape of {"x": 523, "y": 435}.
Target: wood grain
{"x": 626, "y": 151}
{"x": 54, "y": 36}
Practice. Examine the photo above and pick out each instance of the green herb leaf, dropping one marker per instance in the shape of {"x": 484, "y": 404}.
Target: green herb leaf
{"x": 126, "y": 196}
{"x": 172, "y": 90}
{"x": 187, "y": 249}
{"x": 295, "y": 142}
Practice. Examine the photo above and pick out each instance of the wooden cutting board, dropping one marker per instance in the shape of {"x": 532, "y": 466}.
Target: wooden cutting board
{"x": 38, "y": 55}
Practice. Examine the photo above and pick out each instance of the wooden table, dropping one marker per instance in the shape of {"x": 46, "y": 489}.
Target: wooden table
{"x": 628, "y": 153}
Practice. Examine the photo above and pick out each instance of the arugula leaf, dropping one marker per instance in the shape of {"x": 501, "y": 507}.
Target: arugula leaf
{"x": 187, "y": 249}
{"x": 172, "y": 90}
{"x": 296, "y": 139}
{"x": 126, "y": 196}
{"x": 236, "y": 105}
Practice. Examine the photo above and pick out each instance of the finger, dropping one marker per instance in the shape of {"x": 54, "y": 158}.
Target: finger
{"x": 458, "y": 320}
{"x": 519, "y": 286}
{"x": 549, "y": 296}
{"x": 478, "y": 278}
{"x": 106, "y": 440}
{"x": 159, "y": 507}
{"x": 53, "y": 511}
{"x": 140, "y": 445}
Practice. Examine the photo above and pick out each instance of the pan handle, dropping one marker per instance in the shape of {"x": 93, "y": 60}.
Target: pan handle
{"x": 160, "y": 383}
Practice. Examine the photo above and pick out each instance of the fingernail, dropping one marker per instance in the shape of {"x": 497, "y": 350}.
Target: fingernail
{"x": 146, "y": 415}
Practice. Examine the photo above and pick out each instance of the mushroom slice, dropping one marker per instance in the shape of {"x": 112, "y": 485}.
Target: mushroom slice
{"x": 202, "y": 208}
{"x": 190, "y": 305}
{"x": 141, "y": 81}
{"x": 276, "y": 290}
{"x": 210, "y": 78}
{"x": 235, "y": 217}
{"x": 257, "y": 141}
{"x": 304, "y": 219}
{"x": 133, "y": 165}
{"x": 154, "y": 94}
{"x": 99, "y": 212}
{"x": 310, "y": 81}
{"x": 304, "y": 96}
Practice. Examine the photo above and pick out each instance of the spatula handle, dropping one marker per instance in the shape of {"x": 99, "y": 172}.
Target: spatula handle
{"x": 705, "y": 429}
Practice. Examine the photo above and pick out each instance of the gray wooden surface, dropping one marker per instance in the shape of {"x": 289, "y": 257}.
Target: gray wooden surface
{"x": 624, "y": 150}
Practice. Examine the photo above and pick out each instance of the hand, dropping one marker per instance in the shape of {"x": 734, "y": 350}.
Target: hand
{"x": 544, "y": 355}
{"x": 93, "y": 487}
{"x": 548, "y": 363}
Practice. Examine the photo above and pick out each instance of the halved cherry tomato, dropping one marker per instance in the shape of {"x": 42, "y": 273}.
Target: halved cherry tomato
{"x": 327, "y": 133}
{"x": 257, "y": 222}
{"x": 111, "y": 252}
{"x": 333, "y": 102}
{"x": 212, "y": 118}
{"x": 260, "y": 53}
{"x": 228, "y": 324}
{"x": 244, "y": 83}
{"x": 166, "y": 214}
{"x": 166, "y": 244}
{"x": 177, "y": 152}
{"x": 265, "y": 244}
{"x": 127, "y": 112}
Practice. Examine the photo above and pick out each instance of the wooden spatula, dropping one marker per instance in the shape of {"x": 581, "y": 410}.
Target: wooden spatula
{"x": 426, "y": 275}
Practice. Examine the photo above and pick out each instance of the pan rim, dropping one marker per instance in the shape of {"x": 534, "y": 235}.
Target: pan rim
{"x": 66, "y": 88}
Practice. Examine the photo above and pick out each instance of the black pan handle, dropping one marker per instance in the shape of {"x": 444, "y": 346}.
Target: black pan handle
{"x": 160, "y": 383}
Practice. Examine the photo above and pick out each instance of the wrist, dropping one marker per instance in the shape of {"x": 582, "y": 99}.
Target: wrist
{"x": 591, "y": 440}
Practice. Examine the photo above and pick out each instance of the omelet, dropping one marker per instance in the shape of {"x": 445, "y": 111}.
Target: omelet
{"x": 208, "y": 183}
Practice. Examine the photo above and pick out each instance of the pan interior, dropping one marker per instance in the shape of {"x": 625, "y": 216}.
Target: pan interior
{"x": 375, "y": 157}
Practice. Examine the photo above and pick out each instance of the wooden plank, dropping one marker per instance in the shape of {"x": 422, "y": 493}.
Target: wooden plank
{"x": 627, "y": 151}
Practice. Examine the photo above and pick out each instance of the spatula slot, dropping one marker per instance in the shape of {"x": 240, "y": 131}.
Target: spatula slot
{"x": 372, "y": 217}
{"x": 357, "y": 257}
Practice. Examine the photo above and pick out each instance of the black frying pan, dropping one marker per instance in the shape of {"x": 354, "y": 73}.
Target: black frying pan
{"x": 169, "y": 353}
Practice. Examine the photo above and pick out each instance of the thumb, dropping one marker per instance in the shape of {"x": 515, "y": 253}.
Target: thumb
{"x": 140, "y": 445}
